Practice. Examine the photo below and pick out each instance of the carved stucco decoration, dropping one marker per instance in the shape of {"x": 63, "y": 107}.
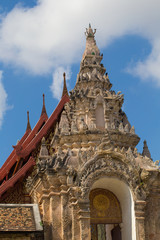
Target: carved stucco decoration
{"x": 86, "y": 164}
{"x": 64, "y": 123}
{"x": 106, "y": 165}
{"x": 79, "y": 153}
{"x": 28, "y": 183}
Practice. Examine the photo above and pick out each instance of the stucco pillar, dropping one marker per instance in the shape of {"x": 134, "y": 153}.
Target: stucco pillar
{"x": 65, "y": 216}
{"x": 84, "y": 218}
{"x": 46, "y": 217}
{"x": 153, "y": 214}
{"x": 75, "y": 221}
{"x": 55, "y": 215}
{"x": 140, "y": 219}
{"x": 65, "y": 213}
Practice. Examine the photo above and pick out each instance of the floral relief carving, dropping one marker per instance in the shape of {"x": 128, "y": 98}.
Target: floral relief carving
{"x": 107, "y": 166}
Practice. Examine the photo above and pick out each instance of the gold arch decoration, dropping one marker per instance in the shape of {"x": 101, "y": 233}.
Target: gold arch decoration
{"x": 105, "y": 207}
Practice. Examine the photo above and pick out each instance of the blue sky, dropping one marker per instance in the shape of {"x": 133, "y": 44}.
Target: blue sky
{"x": 41, "y": 39}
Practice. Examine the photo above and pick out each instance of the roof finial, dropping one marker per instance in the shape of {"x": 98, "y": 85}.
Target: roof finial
{"x": 89, "y": 32}
{"x": 146, "y": 151}
{"x": 43, "y": 108}
{"x": 65, "y": 91}
{"x": 28, "y": 122}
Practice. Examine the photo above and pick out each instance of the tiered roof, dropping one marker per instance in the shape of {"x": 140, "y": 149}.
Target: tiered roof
{"x": 21, "y": 160}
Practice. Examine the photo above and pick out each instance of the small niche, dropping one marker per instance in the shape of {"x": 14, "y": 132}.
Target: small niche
{"x": 100, "y": 123}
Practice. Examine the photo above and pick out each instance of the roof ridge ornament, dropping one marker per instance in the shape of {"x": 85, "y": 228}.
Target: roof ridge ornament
{"x": 44, "y": 107}
{"x": 28, "y": 122}
{"x": 89, "y": 32}
{"x": 65, "y": 91}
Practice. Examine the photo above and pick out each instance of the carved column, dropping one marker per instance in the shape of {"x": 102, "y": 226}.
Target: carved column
{"x": 65, "y": 214}
{"x": 153, "y": 214}
{"x": 75, "y": 222}
{"x": 140, "y": 219}
{"x": 92, "y": 119}
{"x": 55, "y": 213}
{"x": 66, "y": 219}
{"x": 46, "y": 217}
{"x": 106, "y": 118}
{"x": 84, "y": 218}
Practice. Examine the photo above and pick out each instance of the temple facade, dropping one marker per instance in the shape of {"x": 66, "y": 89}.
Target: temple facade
{"x": 81, "y": 168}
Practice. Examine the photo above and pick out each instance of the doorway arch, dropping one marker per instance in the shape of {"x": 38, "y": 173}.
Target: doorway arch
{"x": 104, "y": 207}
{"x": 124, "y": 195}
{"x": 105, "y": 215}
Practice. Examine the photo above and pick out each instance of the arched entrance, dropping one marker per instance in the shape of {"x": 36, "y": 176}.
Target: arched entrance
{"x": 124, "y": 195}
{"x": 106, "y": 215}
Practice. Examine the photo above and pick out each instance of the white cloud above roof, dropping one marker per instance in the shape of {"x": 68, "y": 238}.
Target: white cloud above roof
{"x": 49, "y": 35}
{"x": 57, "y": 83}
{"x": 3, "y": 100}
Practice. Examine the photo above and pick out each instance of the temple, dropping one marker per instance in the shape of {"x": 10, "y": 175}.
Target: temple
{"x": 77, "y": 174}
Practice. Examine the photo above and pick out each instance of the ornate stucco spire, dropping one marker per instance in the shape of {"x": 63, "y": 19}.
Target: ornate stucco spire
{"x": 28, "y": 122}
{"x": 146, "y": 151}
{"x": 92, "y": 71}
{"x": 65, "y": 91}
{"x": 91, "y": 47}
{"x": 43, "y": 107}
{"x": 89, "y": 32}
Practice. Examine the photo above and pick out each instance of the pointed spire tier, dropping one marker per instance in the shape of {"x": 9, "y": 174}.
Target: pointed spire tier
{"x": 43, "y": 107}
{"x": 91, "y": 47}
{"x": 28, "y": 122}
{"x": 92, "y": 71}
{"x": 65, "y": 91}
{"x": 146, "y": 151}
{"x": 95, "y": 105}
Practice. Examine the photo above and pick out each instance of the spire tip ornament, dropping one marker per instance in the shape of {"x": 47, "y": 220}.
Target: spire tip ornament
{"x": 65, "y": 91}
{"x": 28, "y": 122}
{"x": 146, "y": 151}
{"x": 89, "y": 32}
{"x": 44, "y": 107}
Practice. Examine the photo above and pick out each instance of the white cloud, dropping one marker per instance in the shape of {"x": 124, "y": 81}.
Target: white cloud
{"x": 3, "y": 100}
{"x": 49, "y": 34}
{"x": 149, "y": 69}
{"x": 57, "y": 84}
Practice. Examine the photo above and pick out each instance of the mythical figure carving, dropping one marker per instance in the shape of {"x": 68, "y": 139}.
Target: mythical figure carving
{"x": 64, "y": 124}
